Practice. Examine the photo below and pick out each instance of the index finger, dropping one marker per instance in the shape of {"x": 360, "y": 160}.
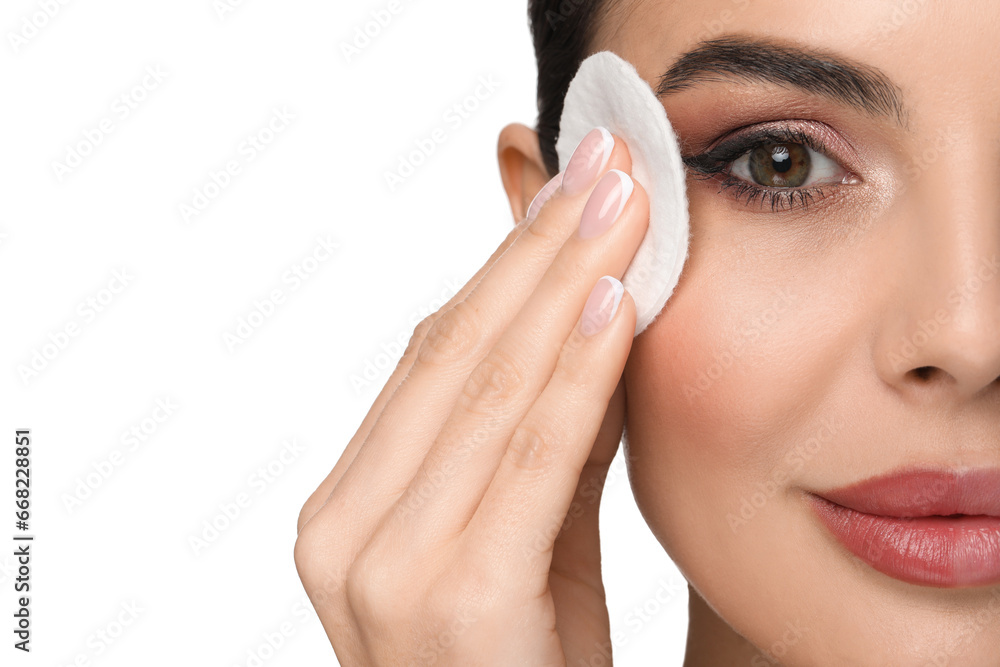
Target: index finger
{"x": 322, "y": 492}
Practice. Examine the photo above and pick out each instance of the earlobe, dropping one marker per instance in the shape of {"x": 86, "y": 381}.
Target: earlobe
{"x": 522, "y": 168}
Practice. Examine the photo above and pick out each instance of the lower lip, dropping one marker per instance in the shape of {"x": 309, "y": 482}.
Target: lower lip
{"x": 947, "y": 552}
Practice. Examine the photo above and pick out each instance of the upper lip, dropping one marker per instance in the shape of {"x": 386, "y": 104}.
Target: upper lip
{"x": 923, "y": 492}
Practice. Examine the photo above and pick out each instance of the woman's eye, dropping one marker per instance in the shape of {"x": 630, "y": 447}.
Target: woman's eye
{"x": 783, "y": 167}
{"x": 786, "y": 165}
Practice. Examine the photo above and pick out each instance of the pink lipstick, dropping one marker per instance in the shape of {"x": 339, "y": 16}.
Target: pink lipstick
{"x": 927, "y": 527}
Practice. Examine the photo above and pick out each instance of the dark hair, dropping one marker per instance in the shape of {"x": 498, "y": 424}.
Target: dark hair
{"x": 562, "y": 31}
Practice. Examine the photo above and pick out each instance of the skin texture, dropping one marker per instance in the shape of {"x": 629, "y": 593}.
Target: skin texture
{"x": 832, "y": 291}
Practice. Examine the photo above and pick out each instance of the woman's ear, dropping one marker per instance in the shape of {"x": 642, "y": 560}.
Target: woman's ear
{"x": 522, "y": 168}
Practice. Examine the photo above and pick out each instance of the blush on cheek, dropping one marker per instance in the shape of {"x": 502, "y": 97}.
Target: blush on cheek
{"x": 702, "y": 432}
{"x": 716, "y": 379}
{"x": 677, "y": 414}
{"x": 736, "y": 372}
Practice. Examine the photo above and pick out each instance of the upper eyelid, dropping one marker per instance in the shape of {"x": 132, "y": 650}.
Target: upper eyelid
{"x": 738, "y": 146}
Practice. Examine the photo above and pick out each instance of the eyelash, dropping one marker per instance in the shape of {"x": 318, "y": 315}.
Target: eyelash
{"x": 719, "y": 160}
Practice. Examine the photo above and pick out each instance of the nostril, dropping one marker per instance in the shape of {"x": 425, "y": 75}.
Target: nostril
{"x": 924, "y": 372}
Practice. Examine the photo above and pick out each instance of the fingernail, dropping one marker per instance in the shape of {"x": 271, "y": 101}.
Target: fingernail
{"x": 606, "y": 203}
{"x": 543, "y": 196}
{"x": 602, "y": 304}
{"x": 587, "y": 161}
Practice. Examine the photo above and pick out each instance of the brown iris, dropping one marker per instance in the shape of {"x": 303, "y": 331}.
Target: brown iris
{"x": 780, "y": 165}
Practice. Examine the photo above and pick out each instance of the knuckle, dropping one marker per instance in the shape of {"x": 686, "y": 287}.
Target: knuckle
{"x": 496, "y": 379}
{"x": 322, "y": 577}
{"x": 531, "y": 448}
{"x": 305, "y": 553}
{"x": 451, "y": 336}
{"x": 371, "y": 585}
{"x": 307, "y": 511}
{"x": 542, "y": 233}
{"x": 419, "y": 334}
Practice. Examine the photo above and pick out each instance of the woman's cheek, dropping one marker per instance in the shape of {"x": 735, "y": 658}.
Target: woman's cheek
{"x": 723, "y": 383}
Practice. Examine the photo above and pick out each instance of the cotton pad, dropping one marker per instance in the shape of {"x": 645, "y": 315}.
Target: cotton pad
{"x": 607, "y": 91}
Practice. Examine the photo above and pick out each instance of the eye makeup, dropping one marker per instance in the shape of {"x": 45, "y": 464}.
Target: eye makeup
{"x": 779, "y": 146}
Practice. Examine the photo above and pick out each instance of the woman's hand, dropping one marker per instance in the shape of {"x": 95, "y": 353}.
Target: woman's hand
{"x": 460, "y": 525}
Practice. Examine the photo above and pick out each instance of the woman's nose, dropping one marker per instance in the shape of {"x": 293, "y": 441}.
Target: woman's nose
{"x": 940, "y": 333}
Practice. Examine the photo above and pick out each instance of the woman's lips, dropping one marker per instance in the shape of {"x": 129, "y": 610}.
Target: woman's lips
{"x": 928, "y": 527}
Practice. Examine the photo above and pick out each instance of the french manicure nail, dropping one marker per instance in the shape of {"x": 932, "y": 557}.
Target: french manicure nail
{"x": 587, "y": 161}
{"x": 602, "y": 304}
{"x": 543, "y": 196}
{"x": 606, "y": 203}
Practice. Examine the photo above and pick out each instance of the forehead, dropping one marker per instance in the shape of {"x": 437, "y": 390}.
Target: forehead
{"x": 935, "y": 51}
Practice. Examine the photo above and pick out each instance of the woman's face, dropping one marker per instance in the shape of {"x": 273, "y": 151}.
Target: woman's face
{"x": 810, "y": 347}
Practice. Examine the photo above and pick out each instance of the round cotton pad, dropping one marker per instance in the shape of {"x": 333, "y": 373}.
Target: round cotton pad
{"x": 607, "y": 91}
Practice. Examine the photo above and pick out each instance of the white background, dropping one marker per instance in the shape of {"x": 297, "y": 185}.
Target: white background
{"x": 161, "y": 336}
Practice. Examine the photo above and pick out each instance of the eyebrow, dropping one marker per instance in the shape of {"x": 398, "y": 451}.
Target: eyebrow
{"x": 752, "y": 59}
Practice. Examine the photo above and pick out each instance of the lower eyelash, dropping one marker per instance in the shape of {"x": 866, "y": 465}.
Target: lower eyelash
{"x": 784, "y": 197}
